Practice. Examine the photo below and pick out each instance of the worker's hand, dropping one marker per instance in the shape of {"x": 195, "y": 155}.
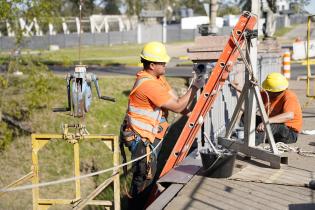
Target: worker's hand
{"x": 199, "y": 81}
{"x": 236, "y": 85}
{"x": 260, "y": 127}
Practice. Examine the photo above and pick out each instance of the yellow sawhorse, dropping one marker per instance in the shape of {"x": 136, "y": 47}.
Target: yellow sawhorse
{"x": 40, "y": 140}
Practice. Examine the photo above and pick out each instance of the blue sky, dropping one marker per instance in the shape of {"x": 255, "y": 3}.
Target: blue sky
{"x": 311, "y": 7}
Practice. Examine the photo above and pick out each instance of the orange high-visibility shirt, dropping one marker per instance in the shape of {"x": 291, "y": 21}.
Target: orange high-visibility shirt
{"x": 287, "y": 101}
{"x": 151, "y": 94}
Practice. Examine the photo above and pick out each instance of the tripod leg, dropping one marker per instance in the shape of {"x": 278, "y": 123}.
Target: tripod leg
{"x": 265, "y": 119}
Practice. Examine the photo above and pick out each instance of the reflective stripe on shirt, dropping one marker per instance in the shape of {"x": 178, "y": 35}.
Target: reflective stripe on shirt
{"x": 142, "y": 125}
{"x": 145, "y": 120}
{"x": 154, "y": 115}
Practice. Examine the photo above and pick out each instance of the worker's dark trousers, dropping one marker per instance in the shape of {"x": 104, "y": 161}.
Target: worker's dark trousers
{"x": 280, "y": 131}
{"x": 139, "y": 185}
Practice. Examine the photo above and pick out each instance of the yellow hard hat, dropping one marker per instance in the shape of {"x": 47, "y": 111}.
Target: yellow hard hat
{"x": 155, "y": 52}
{"x": 275, "y": 82}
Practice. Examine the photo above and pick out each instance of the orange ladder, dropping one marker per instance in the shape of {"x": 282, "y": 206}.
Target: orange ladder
{"x": 210, "y": 91}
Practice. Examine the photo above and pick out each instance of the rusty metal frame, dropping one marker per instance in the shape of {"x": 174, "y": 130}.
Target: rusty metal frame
{"x": 111, "y": 141}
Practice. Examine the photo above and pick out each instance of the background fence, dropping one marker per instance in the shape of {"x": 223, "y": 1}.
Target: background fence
{"x": 144, "y": 33}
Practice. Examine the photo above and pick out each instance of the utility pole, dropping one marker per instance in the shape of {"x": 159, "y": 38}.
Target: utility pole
{"x": 213, "y": 8}
{"x": 250, "y": 101}
{"x": 164, "y": 26}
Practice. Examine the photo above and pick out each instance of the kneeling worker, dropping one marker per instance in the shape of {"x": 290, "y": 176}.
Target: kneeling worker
{"x": 285, "y": 114}
{"x": 145, "y": 123}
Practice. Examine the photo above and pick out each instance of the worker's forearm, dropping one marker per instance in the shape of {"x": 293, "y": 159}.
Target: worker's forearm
{"x": 179, "y": 104}
{"x": 185, "y": 99}
{"x": 236, "y": 87}
{"x": 173, "y": 94}
{"x": 281, "y": 118}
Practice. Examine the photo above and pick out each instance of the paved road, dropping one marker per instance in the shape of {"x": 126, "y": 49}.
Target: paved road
{"x": 299, "y": 31}
{"x": 183, "y": 71}
{"x": 300, "y": 70}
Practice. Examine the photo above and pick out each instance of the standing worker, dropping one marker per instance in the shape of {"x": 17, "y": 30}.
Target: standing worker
{"x": 145, "y": 123}
{"x": 285, "y": 114}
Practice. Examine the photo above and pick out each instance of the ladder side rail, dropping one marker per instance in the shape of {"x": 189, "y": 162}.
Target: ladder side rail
{"x": 216, "y": 81}
{"x": 205, "y": 102}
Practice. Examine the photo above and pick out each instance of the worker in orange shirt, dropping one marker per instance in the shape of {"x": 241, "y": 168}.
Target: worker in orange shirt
{"x": 145, "y": 123}
{"x": 285, "y": 114}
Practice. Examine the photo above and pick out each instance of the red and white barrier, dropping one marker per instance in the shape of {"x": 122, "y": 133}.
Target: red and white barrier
{"x": 286, "y": 65}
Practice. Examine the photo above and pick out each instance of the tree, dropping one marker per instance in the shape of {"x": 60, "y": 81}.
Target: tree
{"x": 228, "y": 10}
{"x": 245, "y": 5}
{"x": 111, "y": 8}
{"x": 195, "y": 5}
{"x": 299, "y": 6}
{"x": 133, "y": 7}
{"x": 33, "y": 85}
{"x": 71, "y": 7}
{"x": 43, "y": 10}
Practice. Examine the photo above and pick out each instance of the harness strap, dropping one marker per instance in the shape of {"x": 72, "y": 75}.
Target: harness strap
{"x": 149, "y": 159}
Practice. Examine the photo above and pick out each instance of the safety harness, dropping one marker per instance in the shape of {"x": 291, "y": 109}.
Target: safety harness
{"x": 131, "y": 138}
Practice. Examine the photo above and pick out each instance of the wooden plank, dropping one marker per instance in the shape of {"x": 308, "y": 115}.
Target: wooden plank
{"x": 93, "y": 194}
{"x": 185, "y": 171}
{"x": 20, "y": 181}
{"x": 274, "y": 160}
{"x": 165, "y": 197}
{"x": 100, "y": 203}
{"x": 286, "y": 175}
{"x": 209, "y": 193}
{"x": 116, "y": 178}
{"x": 48, "y": 201}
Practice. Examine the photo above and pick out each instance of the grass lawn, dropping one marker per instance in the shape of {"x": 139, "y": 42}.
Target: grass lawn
{"x": 90, "y": 55}
{"x": 125, "y": 54}
{"x": 282, "y": 31}
{"x": 56, "y": 157}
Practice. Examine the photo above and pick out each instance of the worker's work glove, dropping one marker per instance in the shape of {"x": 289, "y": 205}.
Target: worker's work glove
{"x": 199, "y": 80}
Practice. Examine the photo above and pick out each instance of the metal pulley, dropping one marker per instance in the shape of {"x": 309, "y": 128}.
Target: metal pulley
{"x": 79, "y": 91}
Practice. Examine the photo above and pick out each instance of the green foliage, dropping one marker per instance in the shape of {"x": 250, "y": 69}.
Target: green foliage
{"x": 299, "y": 5}
{"x": 25, "y": 94}
{"x": 245, "y": 5}
{"x": 282, "y": 31}
{"x": 5, "y": 136}
{"x": 11, "y": 11}
{"x": 195, "y": 5}
{"x": 228, "y": 10}
{"x": 3, "y": 82}
{"x": 36, "y": 84}
{"x": 101, "y": 55}
{"x": 66, "y": 61}
{"x": 71, "y": 8}
{"x": 56, "y": 157}
{"x": 133, "y": 7}
{"x": 111, "y": 8}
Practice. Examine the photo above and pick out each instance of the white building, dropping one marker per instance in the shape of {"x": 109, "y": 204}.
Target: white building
{"x": 284, "y": 4}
